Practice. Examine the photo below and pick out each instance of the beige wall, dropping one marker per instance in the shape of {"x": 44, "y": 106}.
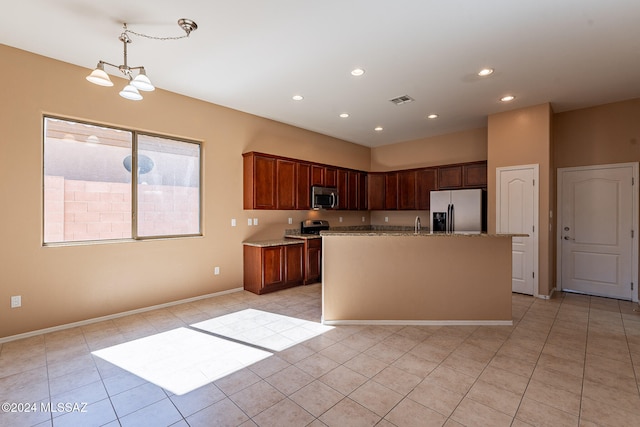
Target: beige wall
{"x": 523, "y": 137}
{"x": 458, "y": 147}
{"x": 604, "y": 134}
{"x": 60, "y": 285}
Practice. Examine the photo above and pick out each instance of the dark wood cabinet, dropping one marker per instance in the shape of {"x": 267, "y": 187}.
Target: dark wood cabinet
{"x": 407, "y": 190}
{"x": 376, "y": 191}
{"x": 426, "y": 182}
{"x": 343, "y": 196}
{"x": 271, "y": 268}
{"x": 331, "y": 177}
{"x": 313, "y": 260}
{"x": 475, "y": 175}
{"x": 259, "y": 182}
{"x": 303, "y": 186}
{"x": 286, "y": 184}
{"x": 352, "y": 190}
{"x": 391, "y": 191}
{"x": 317, "y": 175}
{"x": 450, "y": 177}
{"x": 363, "y": 182}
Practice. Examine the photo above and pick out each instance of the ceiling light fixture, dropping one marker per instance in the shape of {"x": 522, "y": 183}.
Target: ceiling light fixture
{"x": 378, "y": 128}
{"x": 140, "y": 81}
{"x": 485, "y": 72}
{"x": 357, "y": 72}
{"x": 297, "y": 97}
{"x": 344, "y": 115}
{"x": 507, "y": 98}
{"x": 432, "y": 116}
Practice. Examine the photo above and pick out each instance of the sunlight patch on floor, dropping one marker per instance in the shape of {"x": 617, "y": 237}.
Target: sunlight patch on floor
{"x": 267, "y": 330}
{"x": 181, "y": 360}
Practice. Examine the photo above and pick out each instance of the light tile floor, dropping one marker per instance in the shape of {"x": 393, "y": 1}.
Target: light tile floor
{"x": 573, "y": 360}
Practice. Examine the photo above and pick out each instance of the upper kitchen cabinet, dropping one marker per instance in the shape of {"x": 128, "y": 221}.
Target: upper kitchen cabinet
{"x": 376, "y": 191}
{"x": 303, "y": 186}
{"x": 466, "y": 175}
{"x": 391, "y": 190}
{"x": 343, "y": 185}
{"x": 317, "y": 175}
{"x": 450, "y": 177}
{"x": 426, "y": 182}
{"x": 407, "y": 190}
{"x": 475, "y": 174}
{"x": 331, "y": 177}
{"x": 259, "y": 181}
{"x": 286, "y": 184}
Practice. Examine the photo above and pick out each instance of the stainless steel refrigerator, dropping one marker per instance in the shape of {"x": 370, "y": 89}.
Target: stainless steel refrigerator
{"x": 458, "y": 211}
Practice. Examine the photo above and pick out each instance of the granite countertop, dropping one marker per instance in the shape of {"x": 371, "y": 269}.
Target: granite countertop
{"x": 303, "y": 236}
{"x": 273, "y": 242}
{"x": 420, "y": 234}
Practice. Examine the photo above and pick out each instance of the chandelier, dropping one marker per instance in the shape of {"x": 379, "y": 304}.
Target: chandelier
{"x": 140, "y": 82}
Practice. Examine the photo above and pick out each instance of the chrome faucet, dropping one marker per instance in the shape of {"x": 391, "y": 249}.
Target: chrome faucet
{"x": 417, "y": 225}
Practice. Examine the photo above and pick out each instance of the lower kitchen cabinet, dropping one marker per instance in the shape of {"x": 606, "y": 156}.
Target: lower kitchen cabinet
{"x": 313, "y": 261}
{"x": 274, "y": 267}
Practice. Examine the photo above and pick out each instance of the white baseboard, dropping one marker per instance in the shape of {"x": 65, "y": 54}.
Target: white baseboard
{"x": 420, "y": 322}
{"x": 113, "y": 316}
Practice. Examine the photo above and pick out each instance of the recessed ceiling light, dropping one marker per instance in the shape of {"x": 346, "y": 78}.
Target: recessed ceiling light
{"x": 485, "y": 72}
{"x": 432, "y": 116}
{"x": 344, "y": 115}
{"x": 507, "y": 98}
{"x": 297, "y": 97}
{"x": 357, "y": 72}
{"x": 378, "y": 128}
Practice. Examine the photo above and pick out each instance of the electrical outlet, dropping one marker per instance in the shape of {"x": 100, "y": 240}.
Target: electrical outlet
{"x": 233, "y": 222}
{"x": 362, "y": 219}
{"x": 290, "y": 220}
{"x": 386, "y": 219}
{"x": 340, "y": 219}
{"x": 216, "y": 270}
{"x": 16, "y": 301}
{"x": 255, "y": 221}
{"x": 250, "y": 222}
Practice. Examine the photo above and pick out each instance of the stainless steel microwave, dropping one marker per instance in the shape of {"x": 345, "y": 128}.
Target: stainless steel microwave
{"x": 323, "y": 197}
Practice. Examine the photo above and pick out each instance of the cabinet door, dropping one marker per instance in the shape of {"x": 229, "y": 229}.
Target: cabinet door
{"x": 352, "y": 190}
{"x": 343, "y": 187}
{"x": 391, "y": 191}
{"x": 286, "y": 184}
{"x": 294, "y": 263}
{"x": 376, "y": 191}
{"x": 273, "y": 266}
{"x": 362, "y": 191}
{"x": 261, "y": 187}
{"x": 475, "y": 175}
{"x": 317, "y": 175}
{"x": 407, "y": 190}
{"x": 331, "y": 177}
{"x": 450, "y": 177}
{"x": 314, "y": 261}
{"x": 303, "y": 186}
{"x": 427, "y": 181}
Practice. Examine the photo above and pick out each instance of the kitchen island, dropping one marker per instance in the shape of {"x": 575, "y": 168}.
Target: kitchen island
{"x": 422, "y": 279}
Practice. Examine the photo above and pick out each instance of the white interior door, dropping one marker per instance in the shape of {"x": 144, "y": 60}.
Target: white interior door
{"x": 517, "y": 208}
{"x": 596, "y": 230}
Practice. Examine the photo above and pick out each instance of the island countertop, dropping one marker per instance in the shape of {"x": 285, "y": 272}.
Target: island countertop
{"x": 358, "y": 233}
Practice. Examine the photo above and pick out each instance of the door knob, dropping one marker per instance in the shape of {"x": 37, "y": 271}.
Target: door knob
{"x": 567, "y": 238}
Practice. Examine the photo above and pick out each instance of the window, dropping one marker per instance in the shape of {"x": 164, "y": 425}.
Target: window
{"x": 88, "y": 190}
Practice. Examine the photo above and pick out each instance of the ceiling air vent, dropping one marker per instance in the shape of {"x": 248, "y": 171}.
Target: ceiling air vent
{"x": 404, "y": 99}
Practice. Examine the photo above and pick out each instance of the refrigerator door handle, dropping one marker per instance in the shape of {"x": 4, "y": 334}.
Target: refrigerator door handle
{"x": 453, "y": 218}
{"x": 449, "y": 218}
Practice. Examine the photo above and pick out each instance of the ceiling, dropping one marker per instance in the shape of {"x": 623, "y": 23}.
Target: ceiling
{"x": 254, "y": 55}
